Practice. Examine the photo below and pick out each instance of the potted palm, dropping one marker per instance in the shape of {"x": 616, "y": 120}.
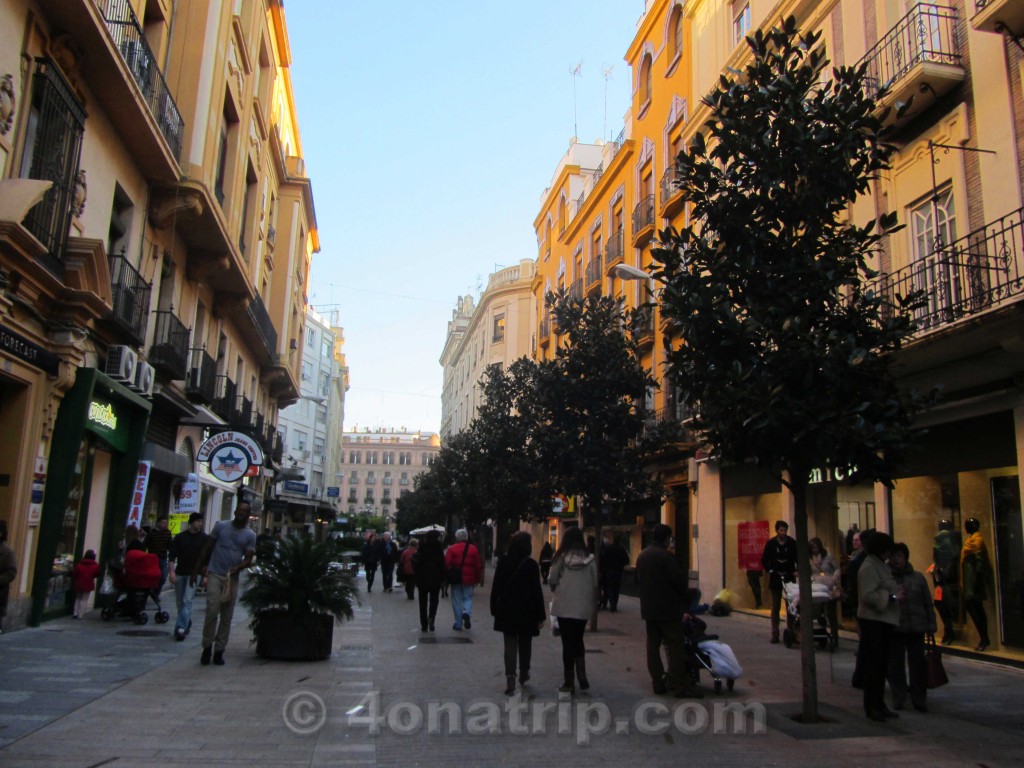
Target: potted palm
{"x": 295, "y": 596}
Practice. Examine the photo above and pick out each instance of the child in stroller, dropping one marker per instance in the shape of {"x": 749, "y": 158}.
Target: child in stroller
{"x": 706, "y": 652}
{"x": 136, "y": 582}
{"x": 825, "y": 635}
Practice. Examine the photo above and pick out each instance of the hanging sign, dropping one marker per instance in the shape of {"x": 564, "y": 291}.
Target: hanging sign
{"x": 231, "y": 455}
{"x": 139, "y": 493}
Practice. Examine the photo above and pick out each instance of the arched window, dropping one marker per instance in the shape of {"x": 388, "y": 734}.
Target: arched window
{"x": 645, "y": 80}
{"x": 676, "y": 32}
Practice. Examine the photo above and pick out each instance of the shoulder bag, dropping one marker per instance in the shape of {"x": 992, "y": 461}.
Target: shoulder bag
{"x": 455, "y": 574}
{"x": 935, "y": 675}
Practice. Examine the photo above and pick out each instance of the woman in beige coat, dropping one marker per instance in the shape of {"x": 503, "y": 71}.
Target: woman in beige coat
{"x": 878, "y": 612}
{"x": 573, "y": 579}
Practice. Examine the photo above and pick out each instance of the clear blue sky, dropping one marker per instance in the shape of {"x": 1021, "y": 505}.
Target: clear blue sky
{"x": 430, "y": 131}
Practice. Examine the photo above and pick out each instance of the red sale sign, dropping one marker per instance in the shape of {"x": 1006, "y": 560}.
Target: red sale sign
{"x": 752, "y": 538}
{"x": 139, "y": 493}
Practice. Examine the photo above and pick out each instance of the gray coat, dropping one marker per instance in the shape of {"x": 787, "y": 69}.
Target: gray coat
{"x": 917, "y": 612}
{"x": 875, "y": 586}
{"x": 573, "y": 579}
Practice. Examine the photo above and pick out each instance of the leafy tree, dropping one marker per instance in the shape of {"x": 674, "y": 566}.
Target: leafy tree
{"x": 786, "y": 345}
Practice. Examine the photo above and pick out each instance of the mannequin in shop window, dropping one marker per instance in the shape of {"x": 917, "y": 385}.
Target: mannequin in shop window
{"x": 945, "y": 572}
{"x": 977, "y": 576}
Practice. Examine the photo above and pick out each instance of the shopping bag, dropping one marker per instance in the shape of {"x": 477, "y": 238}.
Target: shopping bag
{"x": 935, "y": 674}
{"x": 107, "y": 587}
{"x": 554, "y": 621}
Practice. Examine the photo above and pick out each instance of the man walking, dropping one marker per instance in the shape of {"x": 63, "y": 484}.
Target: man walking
{"x": 664, "y": 596}
{"x": 779, "y": 560}
{"x": 371, "y": 559}
{"x": 464, "y": 558}
{"x": 227, "y": 552}
{"x": 388, "y": 554}
{"x": 183, "y": 555}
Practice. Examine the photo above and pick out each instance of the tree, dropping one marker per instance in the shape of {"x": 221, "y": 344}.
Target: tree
{"x": 590, "y": 429}
{"x": 785, "y": 344}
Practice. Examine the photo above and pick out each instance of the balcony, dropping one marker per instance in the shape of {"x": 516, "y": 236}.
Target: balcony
{"x": 999, "y": 16}
{"x": 224, "y": 403}
{"x": 257, "y": 314}
{"x": 202, "y": 378}
{"x": 131, "y": 298}
{"x": 613, "y": 254}
{"x": 576, "y": 289}
{"x": 643, "y": 221}
{"x": 595, "y": 271}
{"x": 130, "y": 40}
{"x": 243, "y": 413}
{"x": 169, "y": 352}
{"x": 671, "y": 193}
{"x": 919, "y": 58}
{"x": 545, "y": 331}
{"x": 643, "y": 325}
{"x": 976, "y": 273}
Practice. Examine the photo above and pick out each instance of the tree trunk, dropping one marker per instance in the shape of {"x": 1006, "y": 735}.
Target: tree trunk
{"x": 808, "y": 666}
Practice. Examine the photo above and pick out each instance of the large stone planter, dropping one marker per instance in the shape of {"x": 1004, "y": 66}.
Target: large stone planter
{"x": 280, "y": 637}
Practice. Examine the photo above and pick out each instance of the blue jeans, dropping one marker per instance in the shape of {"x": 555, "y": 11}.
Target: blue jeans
{"x": 462, "y": 601}
{"x": 183, "y": 595}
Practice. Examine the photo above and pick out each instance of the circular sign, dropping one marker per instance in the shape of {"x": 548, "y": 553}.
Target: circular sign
{"x": 231, "y": 455}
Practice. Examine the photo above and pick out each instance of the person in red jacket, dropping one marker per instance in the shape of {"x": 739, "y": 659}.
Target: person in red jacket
{"x": 463, "y": 559}
{"x": 83, "y": 580}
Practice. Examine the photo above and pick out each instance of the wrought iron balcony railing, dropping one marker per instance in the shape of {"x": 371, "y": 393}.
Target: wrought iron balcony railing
{"x": 974, "y": 273}
{"x": 614, "y": 251}
{"x": 545, "y": 328}
{"x": 130, "y": 40}
{"x": 170, "y": 345}
{"x": 576, "y": 289}
{"x": 669, "y": 185}
{"x": 595, "y": 269}
{"x": 928, "y": 33}
{"x": 643, "y": 214}
{"x": 257, "y": 313}
{"x": 224, "y": 404}
{"x": 202, "y": 377}
{"x": 243, "y": 412}
{"x": 131, "y": 298}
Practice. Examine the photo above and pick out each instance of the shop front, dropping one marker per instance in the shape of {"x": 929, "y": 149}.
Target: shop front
{"x": 93, "y": 470}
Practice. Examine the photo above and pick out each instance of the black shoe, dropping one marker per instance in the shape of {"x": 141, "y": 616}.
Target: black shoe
{"x": 218, "y": 658}
{"x": 466, "y": 621}
{"x": 947, "y": 640}
{"x": 982, "y": 647}
{"x": 524, "y": 675}
{"x": 920, "y": 706}
{"x": 510, "y": 684}
{"x": 179, "y": 634}
{"x": 889, "y": 713}
{"x": 877, "y": 716}
{"x": 431, "y": 626}
{"x": 898, "y": 705}
{"x": 423, "y": 627}
{"x": 660, "y": 690}
{"x": 775, "y": 640}
{"x": 204, "y": 659}
{"x": 688, "y": 693}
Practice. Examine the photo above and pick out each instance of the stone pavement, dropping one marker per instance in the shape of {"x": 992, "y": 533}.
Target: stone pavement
{"x": 85, "y": 694}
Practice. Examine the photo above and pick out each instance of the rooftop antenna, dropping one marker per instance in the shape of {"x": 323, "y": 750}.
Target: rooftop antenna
{"x": 575, "y": 72}
{"x": 607, "y": 77}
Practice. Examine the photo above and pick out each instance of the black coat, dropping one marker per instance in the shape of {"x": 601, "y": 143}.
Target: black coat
{"x": 779, "y": 560}
{"x": 428, "y": 566}
{"x": 664, "y": 592}
{"x": 517, "y": 599}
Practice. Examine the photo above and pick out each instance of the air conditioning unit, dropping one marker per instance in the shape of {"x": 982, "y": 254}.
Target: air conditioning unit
{"x": 121, "y": 363}
{"x": 145, "y": 377}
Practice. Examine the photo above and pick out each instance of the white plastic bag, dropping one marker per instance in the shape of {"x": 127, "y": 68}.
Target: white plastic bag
{"x": 722, "y": 659}
{"x": 554, "y": 621}
{"x": 107, "y": 586}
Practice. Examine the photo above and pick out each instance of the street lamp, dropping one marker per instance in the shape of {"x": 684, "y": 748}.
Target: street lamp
{"x": 626, "y": 272}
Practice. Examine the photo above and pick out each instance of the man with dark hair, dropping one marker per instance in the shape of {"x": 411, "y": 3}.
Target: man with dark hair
{"x": 158, "y": 542}
{"x": 186, "y": 548}
{"x": 779, "y": 560}
{"x": 664, "y": 595}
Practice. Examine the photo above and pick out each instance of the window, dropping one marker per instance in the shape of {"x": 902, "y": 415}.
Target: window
{"x": 310, "y": 338}
{"x": 933, "y": 224}
{"x": 353, "y": 477}
{"x": 371, "y": 477}
{"x": 371, "y": 457}
{"x": 318, "y": 447}
{"x": 321, "y": 414}
{"x": 404, "y": 479}
{"x": 404, "y": 458}
{"x": 675, "y": 38}
{"x": 325, "y": 348}
{"x": 307, "y": 371}
{"x": 354, "y": 457}
{"x": 385, "y": 496}
{"x": 387, "y": 478}
{"x": 499, "y": 328}
{"x": 388, "y": 457}
{"x": 740, "y": 21}
{"x": 222, "y": 164}
{"x": 645, "y": 81}
{"x": 53, "y": 145}
{"x": 301, "y": 440}
{"x": 324, "y": 383}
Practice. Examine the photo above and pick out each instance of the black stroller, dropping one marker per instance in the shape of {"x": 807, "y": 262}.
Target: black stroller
{"x": 135, "y": 582}
{"x": 825, "y": 635}
{"x": 706, "y": 653}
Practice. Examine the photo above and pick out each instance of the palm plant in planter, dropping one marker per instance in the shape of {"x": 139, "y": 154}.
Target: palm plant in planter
{"x": 295, "y": 597}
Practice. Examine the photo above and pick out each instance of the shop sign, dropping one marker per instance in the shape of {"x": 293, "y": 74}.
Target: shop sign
{"x": 25, "y": 350}
{"x": 139, "y": 493}
{"x": 293, "y": 486}
{"x": 186, "y": 495}
{"x": 830, "y": 475}
{"x": 751, "y": 538}
{"x": 333, "y": 492}
{"x": 231, "y": 456}
{"x": 562, "y": 506}
{"x": 35, "y": 507}
{"x": 106, "y": 420}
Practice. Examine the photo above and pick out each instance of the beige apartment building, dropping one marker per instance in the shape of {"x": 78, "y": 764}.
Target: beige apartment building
{"x": 379, "y": 466}
{"x": 496, "y": 330}
{"x": 156, "y": 231}
{"x": 956, "y": 183}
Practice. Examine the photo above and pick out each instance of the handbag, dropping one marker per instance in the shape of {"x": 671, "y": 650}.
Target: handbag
{"x": 455, "y": 574}
{"x": 935, "y": 673}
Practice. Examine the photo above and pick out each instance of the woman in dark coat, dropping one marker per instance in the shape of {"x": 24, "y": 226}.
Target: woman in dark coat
{"x": 428, "y": 567}
{"x": 517, "y": 605}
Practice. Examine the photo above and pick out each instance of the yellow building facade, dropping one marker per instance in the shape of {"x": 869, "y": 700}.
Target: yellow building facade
{"x": 156, "y": 233}
{"x": 956, "y": 183}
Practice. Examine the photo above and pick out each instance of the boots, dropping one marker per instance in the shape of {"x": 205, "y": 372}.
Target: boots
{"x": 510, "y": 684}
{"x": 581, "y": 672}
{"x": 569, "y": 686}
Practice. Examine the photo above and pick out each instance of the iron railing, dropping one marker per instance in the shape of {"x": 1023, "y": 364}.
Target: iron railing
{"x": 202, "y": 377}
{"x": 224, "y": 404}
{"x": 595, "y": 269}
{"x": 643, "y": 323}
{"x": 170, "y": 345}
{"x": 545, "y": 327}
{"x": 928, "y": 33}
{"x": 643, "y": 214}
{"x": 974, "y": 273}
{"x": 670, "y": 184}
{"x": 130, "y": 40}
{"x": 614, "y": 251}
{"x": 257, "y": 313}
{"x": 243, "y": 412}
{"x": 131, "y": 297}
{"x": 576, "y": 289}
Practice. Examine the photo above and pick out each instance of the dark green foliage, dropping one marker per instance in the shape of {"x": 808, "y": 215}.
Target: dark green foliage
{"x": 294, "y": 574}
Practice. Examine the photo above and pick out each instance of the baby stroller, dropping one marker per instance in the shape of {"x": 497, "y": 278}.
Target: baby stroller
{"x": 825, "y": 636}
{"x": 707, "y": 653}
{"x": 136, "y": 582}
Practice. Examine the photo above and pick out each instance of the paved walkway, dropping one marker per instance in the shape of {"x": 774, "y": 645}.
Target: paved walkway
{"x": 85, "y": 694}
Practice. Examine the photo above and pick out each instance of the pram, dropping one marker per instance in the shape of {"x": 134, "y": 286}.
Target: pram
{"x": 707, "y": 653}
{"x": 825, "y": 635}
{"x": 135, "y": 582}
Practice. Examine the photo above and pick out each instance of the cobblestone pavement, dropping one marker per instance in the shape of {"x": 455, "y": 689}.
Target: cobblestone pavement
{"x": 84, "y": 694}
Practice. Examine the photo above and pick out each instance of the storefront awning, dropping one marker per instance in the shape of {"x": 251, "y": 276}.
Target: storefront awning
{"x": 166, "y": 460}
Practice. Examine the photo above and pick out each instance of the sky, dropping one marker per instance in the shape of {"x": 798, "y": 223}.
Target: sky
{"x": 430, "y": 132}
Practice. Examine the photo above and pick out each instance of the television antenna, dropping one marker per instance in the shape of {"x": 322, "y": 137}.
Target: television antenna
{"x": 575, "y": 72}
{"x": 607, "y": 76}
